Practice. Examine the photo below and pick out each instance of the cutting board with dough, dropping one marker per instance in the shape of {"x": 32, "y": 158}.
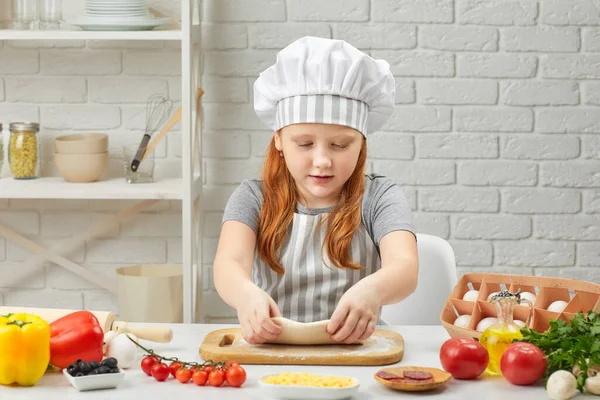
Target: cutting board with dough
{"x": 382, "y": 348}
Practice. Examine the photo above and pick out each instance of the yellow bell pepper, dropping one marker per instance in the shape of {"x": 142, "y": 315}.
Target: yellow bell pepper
{"x": 24, "y": 349}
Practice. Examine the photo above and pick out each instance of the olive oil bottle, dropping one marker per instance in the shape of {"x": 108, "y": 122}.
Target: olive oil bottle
{"x": 500, "y": 335}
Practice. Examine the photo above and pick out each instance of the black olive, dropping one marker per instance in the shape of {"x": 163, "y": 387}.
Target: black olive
{"x": 110, "y": 362}
{"x": 85, "y": 367}
{"x": 78, "y": 374}
{"x": 94, "y": 372}
{"x": 94, "y": 364}
{"x": 114, "y": 370}
{"x": 103, "y": 369}
{"x": 72, "y": 369}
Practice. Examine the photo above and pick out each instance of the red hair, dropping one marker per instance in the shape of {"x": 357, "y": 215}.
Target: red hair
{"x": 279, "y": 203}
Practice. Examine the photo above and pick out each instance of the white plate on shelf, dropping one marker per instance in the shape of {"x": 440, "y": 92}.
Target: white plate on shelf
{"x": 114, "y": 24}
{"x": 119, "y": 19}
{"x": 95, "y": 382}
{"x": 297, "y": 392}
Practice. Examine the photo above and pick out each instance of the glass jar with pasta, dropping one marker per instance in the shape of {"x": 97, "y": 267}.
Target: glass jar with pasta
{"x": 24, "y": 150}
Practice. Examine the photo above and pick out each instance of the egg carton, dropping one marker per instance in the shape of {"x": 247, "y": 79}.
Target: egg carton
{"x": 555, "y": 298}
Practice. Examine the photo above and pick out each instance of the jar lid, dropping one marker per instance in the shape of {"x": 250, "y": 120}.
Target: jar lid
{"x": 24, "y": 126}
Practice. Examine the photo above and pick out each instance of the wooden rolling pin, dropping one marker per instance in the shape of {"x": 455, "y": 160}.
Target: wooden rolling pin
{"x": 108, "y": 322}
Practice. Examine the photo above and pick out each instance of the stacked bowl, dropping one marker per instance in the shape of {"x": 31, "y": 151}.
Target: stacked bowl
{"x": 81, "y": 158}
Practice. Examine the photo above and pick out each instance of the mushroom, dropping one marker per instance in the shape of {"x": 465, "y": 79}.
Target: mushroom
{"x": 592, "y": 383}
{"x": 562, "y": 385}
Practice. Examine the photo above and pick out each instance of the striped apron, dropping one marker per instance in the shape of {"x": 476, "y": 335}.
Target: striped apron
{"x": 309, "y": 290}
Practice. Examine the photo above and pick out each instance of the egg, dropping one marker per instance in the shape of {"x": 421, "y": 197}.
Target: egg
{"x": 471, "y": 295}
{"x": 486, "y": 323}
{"x": 492, "y": 295}
{"x": 519, "y": 322}
{"x": 527, "y": 296}
{"x": 462, "y": 321}
{"x": 557, "y": 306}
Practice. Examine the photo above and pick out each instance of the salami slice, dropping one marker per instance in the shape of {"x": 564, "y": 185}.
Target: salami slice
{"x": 398, "y": 379}
{"x": 388, "y": 375}
{"x": 417, "y": 375}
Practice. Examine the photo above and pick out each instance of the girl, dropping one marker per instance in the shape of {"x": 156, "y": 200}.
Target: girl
{"x": 316, "y": 238}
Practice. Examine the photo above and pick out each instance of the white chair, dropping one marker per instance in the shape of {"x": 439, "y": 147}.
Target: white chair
{"x": 437, "y": 278}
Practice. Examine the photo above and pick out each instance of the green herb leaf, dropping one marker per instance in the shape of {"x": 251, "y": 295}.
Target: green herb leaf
{"x": 567, "y": 344}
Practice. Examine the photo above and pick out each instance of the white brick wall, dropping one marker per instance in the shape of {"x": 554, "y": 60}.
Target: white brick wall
{"x": 494, "y": 136}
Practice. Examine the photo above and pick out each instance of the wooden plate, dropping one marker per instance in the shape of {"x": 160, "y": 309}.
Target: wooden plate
{"x": 439, "y": 379}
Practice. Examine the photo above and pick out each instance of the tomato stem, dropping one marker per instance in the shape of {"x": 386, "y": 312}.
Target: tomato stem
{"x": 172, "y": 359}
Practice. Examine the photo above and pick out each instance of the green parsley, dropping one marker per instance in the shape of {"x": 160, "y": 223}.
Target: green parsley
{"x": 567, "y": 344}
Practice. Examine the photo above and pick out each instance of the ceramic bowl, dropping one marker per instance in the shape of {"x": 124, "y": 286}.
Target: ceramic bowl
{"x": 81, "y": 143}
{"x": 81, "y": 168}
{"x": 298, "y": 392}
{"x": 95, "y": 382}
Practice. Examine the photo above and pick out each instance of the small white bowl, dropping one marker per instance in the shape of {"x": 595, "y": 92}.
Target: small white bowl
{"x": 95, "y": 382}
{"x": 297, "y": 392}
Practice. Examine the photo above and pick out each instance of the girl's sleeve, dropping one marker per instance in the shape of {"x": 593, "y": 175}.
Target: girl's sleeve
{"x": 244, "y": 204}
{"x": 390, "y": 211}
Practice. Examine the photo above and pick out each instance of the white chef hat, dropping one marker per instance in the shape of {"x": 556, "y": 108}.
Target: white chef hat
{"x": 325, "y": 81}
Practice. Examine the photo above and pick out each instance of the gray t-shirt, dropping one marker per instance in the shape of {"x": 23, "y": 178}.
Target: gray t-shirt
{"x": 310, "y": 289}
{"x": 384, "y": 207}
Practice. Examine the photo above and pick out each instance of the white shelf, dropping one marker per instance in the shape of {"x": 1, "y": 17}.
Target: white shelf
{"x": 13, "y": 34}
{"x": 58, "y": 188}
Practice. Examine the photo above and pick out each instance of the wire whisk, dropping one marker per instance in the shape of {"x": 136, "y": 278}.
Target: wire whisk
{"x": 158, "y": 109}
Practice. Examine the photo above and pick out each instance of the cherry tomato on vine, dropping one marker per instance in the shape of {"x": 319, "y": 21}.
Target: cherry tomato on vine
{"x": 183, "y": 375}
{"x": 174, "y": 367}
{"x": 208, "y": 369}
{"x": 216, "y": 378}
{"x": 147, "y": 363}
{"x": 200, "y": 378}
{"x": 230, "y": 364}
{"x": 235, "y": 375}
{"x": 160, "y": 372}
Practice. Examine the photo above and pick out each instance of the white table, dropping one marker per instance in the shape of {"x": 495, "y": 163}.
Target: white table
{"x": 422, "y": 344}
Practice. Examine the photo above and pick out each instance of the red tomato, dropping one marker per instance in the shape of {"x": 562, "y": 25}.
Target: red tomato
{"x": 216, "y": 378}
{"x": 200, "y": 378}
{"x": 523, "y": 363}
{"x": 183, "y": 375}
{"x": 235, "y": 376}
{"x": 464, "y": 358}
{"x": 160, "y": 371}
{"x": 174, "y": 367}
{"x": 229, "y": 364}
{"x": 147, "y": 363}
{"x": 207, "y": 368}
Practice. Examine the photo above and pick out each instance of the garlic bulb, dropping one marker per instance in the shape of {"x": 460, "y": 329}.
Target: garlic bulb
{"x": 122, "y": 348}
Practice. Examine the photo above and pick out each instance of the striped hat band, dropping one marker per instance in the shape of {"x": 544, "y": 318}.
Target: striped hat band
{"x": 322, "y": 108}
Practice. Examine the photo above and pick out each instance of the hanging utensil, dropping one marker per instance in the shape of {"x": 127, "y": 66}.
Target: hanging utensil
{"x": 158, "y": 109}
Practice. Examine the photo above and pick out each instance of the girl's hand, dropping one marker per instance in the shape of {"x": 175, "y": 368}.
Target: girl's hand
{"x": 255, "y": 316}
{"x": 355, "y": 316}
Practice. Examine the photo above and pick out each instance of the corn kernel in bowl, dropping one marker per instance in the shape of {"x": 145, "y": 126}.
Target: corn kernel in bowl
{"x": 307, "y": 379}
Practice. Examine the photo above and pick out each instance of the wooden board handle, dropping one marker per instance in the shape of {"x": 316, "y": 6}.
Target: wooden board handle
{"x": 159, "y": 334}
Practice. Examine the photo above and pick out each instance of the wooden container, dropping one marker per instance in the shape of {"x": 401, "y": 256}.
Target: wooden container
{"x": 579, "y": 295}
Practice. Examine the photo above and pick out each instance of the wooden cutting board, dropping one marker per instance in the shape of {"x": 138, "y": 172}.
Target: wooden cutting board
{"x": 382, "y": 348}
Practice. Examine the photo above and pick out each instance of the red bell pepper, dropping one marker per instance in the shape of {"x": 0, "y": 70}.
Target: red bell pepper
{"x": 76, "y": 336}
